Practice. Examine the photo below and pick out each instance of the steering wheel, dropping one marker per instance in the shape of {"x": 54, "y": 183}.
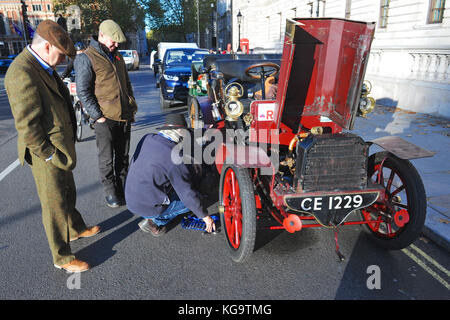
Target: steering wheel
{"x": 262, "y": 71}
{"x": 266, "y": 69}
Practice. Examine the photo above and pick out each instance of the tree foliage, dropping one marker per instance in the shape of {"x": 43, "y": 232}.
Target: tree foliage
{"x": 129, "y": 14}
{"x": 177, "y": 18}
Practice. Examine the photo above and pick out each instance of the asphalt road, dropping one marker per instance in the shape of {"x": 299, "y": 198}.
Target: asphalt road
{"x": 185, "y": 264}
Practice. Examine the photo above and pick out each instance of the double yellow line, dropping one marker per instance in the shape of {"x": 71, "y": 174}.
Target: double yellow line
{"x": 424, "y": 266}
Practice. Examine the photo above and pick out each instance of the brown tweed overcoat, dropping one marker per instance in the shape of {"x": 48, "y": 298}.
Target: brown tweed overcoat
{"x": 43, "y": 113}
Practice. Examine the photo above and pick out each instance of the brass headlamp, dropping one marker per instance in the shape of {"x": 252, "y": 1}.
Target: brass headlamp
{"x": 233, "y": 108}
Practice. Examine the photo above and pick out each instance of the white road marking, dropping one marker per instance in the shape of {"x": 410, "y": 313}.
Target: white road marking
{"x": 8, "y": 170}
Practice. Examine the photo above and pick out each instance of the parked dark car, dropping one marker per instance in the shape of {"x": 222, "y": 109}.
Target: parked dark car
{"x": 175, "y": 73}
{"x": 6, "y": 62}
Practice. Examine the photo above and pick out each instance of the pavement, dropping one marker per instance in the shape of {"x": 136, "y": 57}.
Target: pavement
{"x": 432, "y": 133}
{"x": 427, "y": 131}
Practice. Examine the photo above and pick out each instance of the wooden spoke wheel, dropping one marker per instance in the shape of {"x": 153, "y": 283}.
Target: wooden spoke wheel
{"x": 398, "y": 218}
{"x": 195, "y": 116}
{"x": 237, "y": 197}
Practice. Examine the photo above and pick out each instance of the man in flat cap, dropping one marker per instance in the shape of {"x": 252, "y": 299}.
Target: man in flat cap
{"x": 46, "y": 126}
{"x": 105, "y": 90}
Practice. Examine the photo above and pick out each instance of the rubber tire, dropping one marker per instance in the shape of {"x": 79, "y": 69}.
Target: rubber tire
{"x": 417, "y": 201}
{"x": 248, "y": 205}
{"x": 165, "y": 104}
{"x": 195, "y": 119}
{"x": 78, "y": 117}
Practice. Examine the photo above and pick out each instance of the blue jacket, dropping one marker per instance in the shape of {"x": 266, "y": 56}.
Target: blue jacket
{"x": 152, "y": 175}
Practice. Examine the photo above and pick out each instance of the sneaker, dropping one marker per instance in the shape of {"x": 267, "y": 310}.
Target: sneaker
{"x": 149, "y": 226}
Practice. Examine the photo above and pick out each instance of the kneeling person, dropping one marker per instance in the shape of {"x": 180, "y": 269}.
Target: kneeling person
{"x": 158, "y": 189}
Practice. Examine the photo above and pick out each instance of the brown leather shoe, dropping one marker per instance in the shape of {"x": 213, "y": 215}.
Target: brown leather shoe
{"x": 89, "y": 232}
{"x": 74, "y": 266}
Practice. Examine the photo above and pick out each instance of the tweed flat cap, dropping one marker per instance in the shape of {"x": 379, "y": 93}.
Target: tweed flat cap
{"x": 57, "y": 36}
{"x": 112, "y": 30}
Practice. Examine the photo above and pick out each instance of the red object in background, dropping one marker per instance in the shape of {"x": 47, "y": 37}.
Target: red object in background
{"x": 244, "y": 45}
{"x": 321, "y": 75}
{"x": 322, "y": 71}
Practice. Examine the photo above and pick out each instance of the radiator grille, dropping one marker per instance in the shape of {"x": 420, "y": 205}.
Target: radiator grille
{"x": 331, "y": 162}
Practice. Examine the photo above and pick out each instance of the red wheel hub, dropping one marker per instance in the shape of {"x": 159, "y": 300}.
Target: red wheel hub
{"x": 292, "y": 223}
{"x": 387, "y": 216}
{"x": 401, "y": 218}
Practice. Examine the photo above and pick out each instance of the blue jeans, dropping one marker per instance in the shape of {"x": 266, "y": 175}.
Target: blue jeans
{"x": 175, "y": 208}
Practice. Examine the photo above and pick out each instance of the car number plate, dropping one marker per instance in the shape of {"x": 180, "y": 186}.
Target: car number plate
{"x": 354, "y": 201}
{"x": 331, "y": 208}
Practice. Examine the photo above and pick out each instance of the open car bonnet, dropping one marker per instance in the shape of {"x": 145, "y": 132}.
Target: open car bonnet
{"x": 322, "y": 71}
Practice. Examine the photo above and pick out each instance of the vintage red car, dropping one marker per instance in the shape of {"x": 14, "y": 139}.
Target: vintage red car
{"x": 291, "y": 154}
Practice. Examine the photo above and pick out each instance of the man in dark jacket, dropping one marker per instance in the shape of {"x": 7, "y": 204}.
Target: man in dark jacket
{"x": 80, "y": 48}
{"x": 104, "y": 89}
{"x": 159, "y": 189}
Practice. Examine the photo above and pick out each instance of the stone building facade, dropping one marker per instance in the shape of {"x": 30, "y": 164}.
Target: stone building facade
{"x": 409, "y": 64}
{"x": 12, "y": 38}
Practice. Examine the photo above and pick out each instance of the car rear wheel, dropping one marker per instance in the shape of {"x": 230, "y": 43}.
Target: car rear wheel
{"x": 398, "y": 218}
{"x": 238, "y": 218}
{"x": 195, "y": 117}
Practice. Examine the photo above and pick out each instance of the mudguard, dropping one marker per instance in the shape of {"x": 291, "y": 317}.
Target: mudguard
{"x": 401, "y": 148}
{"x": 205, "y": 104}
{"x": 241, "y": 156}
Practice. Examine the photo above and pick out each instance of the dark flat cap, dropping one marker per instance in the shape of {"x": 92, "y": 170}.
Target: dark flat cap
{"x": 57, "y": 36}
{"x": 174, "y": 121}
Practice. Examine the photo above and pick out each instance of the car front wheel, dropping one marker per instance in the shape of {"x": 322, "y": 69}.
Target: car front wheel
{"x": 165, "y": 104}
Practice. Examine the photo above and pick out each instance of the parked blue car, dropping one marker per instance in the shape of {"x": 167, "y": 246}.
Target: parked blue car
{"x": 6, "y": 62}
{"x": 175, "y": 73}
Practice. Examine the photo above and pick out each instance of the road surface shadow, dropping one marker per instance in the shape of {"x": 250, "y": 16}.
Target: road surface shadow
{"x": 36, "y": 209}
{"x": 400, "y": 278}
{"x": 102, "y": 250}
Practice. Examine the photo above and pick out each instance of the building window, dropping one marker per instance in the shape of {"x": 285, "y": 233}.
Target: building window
{"x": 49, "y": 8}
{"x": 384, "y": 9}
{"x": 436, "y": 11}
{"x": 2, "y": 26}
{"x": 37, "y": 7}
